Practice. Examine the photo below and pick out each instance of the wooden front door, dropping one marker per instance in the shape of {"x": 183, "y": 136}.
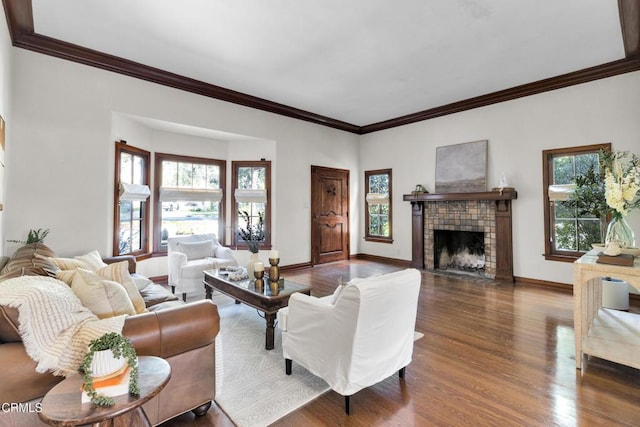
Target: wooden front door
{"x": 329, "y": 214}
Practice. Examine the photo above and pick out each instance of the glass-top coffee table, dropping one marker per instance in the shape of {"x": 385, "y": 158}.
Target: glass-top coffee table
{"x": 269, "y": 299}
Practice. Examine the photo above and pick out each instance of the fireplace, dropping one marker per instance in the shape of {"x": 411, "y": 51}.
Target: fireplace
{"x": 486, "y": 213}
{"x": 464, "y": 221}
{"x": 459, "y": 251}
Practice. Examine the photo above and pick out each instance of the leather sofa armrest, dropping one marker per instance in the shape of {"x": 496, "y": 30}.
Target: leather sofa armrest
{"x": 175, "y": 330}
{"x": 129, "y": 258}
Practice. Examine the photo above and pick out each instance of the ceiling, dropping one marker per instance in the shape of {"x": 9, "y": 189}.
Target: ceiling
{"x": 359, "y": 65}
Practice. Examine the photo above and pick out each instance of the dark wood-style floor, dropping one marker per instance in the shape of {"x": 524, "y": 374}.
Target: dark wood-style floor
{"x": 492, "y": 354}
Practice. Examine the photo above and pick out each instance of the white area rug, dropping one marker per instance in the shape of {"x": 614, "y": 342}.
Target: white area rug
{"x": 251, "y": 385}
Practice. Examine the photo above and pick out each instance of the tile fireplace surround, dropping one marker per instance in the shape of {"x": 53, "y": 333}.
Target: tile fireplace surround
{"x": 487, "y": 212}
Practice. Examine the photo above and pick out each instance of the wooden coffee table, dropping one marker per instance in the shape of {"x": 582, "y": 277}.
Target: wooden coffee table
{"x": 264, "y": 300}
{"x": 62, "y": 405}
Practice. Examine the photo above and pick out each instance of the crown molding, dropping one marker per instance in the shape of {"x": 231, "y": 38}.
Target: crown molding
{"x": 93, "y": 58}
{"x": 583, "y": 76}
{"x": 21, "y": 28}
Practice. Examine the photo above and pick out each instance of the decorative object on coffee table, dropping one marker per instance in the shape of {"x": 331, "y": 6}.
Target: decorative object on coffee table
{"x": 253, "y": 235}
{"x": 274, "y": 288}
{"x": 274, "y": 270}
{"x": 258, "y": 273}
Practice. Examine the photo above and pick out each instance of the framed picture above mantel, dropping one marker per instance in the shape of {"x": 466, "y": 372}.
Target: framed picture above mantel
{"x": 462, "y": 168}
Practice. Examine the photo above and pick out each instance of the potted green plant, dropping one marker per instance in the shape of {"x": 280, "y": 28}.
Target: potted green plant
{"x": 34, "y": 236}
{"x": 253, "y": 235}
{"x": 120, "y": 347}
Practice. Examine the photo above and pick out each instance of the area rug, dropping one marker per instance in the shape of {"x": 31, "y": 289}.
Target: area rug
{"x": 251, "y": 385}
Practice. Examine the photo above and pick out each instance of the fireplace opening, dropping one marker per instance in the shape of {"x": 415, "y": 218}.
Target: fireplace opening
{"x": 461, "y": 251}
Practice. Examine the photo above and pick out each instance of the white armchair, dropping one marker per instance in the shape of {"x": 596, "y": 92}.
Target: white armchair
{"x": 190, "y": 255}
{"x": 358, "y": 336}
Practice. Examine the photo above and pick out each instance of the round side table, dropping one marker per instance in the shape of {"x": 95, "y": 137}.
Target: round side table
{"x": 62, "y": 405}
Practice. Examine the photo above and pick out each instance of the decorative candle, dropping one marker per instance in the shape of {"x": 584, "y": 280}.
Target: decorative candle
{"x": 258, "y": 266}
{"x": 274, "y": 254}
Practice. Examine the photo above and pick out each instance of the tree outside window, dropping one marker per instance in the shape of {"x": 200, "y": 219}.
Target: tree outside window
{"x": 378, "y": 206}
{"x": 569, "y": 230}
{"x": 190, "y": 197}
{"x": 131, "y": 217}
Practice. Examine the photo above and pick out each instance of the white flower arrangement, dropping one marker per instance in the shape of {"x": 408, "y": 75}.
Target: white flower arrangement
{"x": 622, "y": 182}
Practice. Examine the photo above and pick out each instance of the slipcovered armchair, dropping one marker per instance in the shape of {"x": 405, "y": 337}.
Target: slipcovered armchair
{"x": 190, "y": 255}
{"x": 358, "y": 336}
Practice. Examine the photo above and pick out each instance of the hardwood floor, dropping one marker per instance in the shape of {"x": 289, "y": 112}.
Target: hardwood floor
{"x": 492, "y": 354}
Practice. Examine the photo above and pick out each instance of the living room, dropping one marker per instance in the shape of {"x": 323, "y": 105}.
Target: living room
{"x": 63, "y": 118}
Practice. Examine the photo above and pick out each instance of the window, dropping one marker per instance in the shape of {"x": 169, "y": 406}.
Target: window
{"x": 190, "y": 197}
{"x": 252, "y": 199}
{"x": 131, "y": 201}
{"x": 378, "y": 206}
{"x": 568, "y": 234}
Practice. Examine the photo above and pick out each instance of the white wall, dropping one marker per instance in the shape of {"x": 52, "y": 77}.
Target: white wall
{"x": 5, "y": 104}
{"x": 62, "y": 165}
{"x": 60, "y": 154}
{"x": 606, "y": 110}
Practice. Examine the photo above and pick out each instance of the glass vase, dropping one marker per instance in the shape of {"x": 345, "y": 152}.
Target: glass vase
{"x": 620, "y": 232}
{"x": 253, "y": 258}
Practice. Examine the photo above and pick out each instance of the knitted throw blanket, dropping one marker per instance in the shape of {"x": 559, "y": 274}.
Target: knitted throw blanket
{"x": 55, "y": 327}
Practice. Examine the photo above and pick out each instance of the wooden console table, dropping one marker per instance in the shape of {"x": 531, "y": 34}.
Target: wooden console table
{"x": 605, "y": 333}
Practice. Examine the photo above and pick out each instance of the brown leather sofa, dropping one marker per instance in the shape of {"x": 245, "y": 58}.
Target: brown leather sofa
{"x": 183, "y": 334}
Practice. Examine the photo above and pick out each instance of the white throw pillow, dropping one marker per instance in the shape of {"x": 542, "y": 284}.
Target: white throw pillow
{"x": 196, "y": 250}
{"x": 105, "y": 298}
{"x": 119, "y": 272}
{"x": 66, "y": 276}
{"x": 92, "y": 258}
{"x": 140, "y": 281}
{"x": 70, "y": 263}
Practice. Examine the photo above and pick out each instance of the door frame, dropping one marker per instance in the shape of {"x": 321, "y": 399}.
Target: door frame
{"x": 314, "y": 252}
